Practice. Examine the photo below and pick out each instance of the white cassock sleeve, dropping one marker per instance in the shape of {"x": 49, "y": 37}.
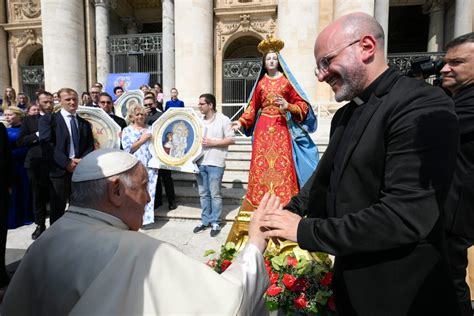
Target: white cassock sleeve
{"x": 249, "y": 270}
{"x": 170, "y": 283}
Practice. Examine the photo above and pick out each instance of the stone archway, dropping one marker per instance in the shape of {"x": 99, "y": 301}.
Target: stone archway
{"x": 240, "y": 68}
{"x": 32, "y": 71}
{"x": 23, "y": 45}
{"x": 237, "y": 26}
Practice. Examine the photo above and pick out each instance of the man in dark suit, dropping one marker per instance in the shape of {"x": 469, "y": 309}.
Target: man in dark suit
{"x": 106, "y": 104}
{"x": 65, "y": 138}
{"x": 376, "y": 199}
{"x": 94, "y": 92}
{"x": 458, "y": 78}
{"x": 35, "y": 161}
{"x": 164, "y": 175}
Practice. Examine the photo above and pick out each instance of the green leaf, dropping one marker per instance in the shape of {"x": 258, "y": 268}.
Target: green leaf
{"x": 322, "y": 297}
{"x": 209, "y": 252}
{"x": 272, "y": 306}
{"x": 279, "y": 261}
{"x": 230, "y": 246}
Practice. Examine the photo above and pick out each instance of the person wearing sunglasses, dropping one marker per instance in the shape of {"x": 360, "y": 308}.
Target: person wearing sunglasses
{"x": 106, "y": 104}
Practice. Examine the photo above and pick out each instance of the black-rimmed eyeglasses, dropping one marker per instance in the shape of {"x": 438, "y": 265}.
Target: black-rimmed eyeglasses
{"x": 325, "y": 61}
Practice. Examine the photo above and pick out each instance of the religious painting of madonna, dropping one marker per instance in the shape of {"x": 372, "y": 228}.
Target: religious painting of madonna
{"x": 177, "y": 139}
{"x": 125, "y": 101}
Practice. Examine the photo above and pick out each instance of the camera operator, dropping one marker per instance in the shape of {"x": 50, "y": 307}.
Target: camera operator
{"x": 458, "y": 78}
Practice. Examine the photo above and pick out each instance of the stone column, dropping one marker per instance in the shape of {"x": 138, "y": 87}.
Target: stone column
{"x": 168, "y": 49}
{"x": 343, "y": 7}
{"x": 5, "y": 68}
{"x": 381, "y": 15}
{"x": 64, "y": 47}
{"x": 299, "y": 42}
{"x": 435, "y": 8}
{"x": 194, "y": 55}
{"x": 102, "y": 31}
{"x": 463, "y": 17}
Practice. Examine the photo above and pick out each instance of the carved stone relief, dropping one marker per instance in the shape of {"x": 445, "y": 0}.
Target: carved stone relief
{"x": 224, "y": 29}
{"x": 21, "y": 10}
{"x": 23, "y": 38}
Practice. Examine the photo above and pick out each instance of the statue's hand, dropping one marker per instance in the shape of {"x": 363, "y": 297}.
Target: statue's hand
{"x": 235, "y": 125}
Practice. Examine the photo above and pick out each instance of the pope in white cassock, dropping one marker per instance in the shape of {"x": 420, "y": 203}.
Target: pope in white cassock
{"x": 93, "y": 261}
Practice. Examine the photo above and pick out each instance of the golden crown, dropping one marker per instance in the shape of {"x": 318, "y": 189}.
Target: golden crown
{"x": 270, "y": 44}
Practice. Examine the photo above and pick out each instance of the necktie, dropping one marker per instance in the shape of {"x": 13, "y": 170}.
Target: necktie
{"x": 75, "y": 135}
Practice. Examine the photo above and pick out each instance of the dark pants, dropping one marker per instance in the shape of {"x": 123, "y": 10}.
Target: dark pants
{"x": 60, "y": 192}
{"x": 165, "y": 176}
{"x": 457, "y": 254}
{"x": 39, "y": 184}
{"x": 4, "y": 200}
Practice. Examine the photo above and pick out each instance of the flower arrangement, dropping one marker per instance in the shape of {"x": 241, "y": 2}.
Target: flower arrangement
{"x": 300, "y": 285}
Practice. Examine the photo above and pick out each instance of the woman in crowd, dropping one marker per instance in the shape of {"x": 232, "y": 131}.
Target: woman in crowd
{"x": 159, "y": 96}
{"x": 32, "y": 109}
{"x": 279, "y": 117}
{"x": 5, "y": 184}
{"x": 20, "y": 212}
{"x": 9, "y": 98}
{"x": 85, "y": 98}
{"x": 136, "y": 139}
{"x": 145, "y": 88}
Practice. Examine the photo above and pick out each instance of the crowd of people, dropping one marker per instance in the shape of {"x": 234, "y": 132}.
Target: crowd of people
{"x": 391, "y": 198}
{"x": 34, "y": 185}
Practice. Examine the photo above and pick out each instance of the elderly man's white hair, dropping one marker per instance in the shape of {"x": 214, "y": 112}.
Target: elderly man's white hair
{"x": 96, "y": 170}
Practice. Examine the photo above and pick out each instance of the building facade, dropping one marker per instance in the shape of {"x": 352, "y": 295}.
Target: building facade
{"x": 198, "y": 45}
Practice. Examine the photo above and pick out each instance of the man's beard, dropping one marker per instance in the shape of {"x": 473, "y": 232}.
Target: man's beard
{"x": 352, "y": 83}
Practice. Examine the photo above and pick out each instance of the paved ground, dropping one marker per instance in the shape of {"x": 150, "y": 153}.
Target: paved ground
{"x": 175, "y": 227}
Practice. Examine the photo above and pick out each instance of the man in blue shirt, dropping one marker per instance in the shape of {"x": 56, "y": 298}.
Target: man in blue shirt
{"x": 174, "y": 102}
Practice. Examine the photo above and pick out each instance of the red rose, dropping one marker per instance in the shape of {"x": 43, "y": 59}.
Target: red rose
{"x": 225, "y": 264}
{"x": 301, "y": 285}
{"x": 267, "y": 262}
{"x": 331, "y": 304}
{"x": 269, "y": 271}
{"x": 274, "y": 277}
{"x": 289, "y": 281}
{"x": 291, "y": 261}
{"x": 327, "y": 279}
{"x": 274, "y": 290}
{"x": 300, "y": 302}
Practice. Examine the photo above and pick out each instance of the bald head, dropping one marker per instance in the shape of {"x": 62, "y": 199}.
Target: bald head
{"x": 350, "y": 54}
{"x": 351, "y": 27}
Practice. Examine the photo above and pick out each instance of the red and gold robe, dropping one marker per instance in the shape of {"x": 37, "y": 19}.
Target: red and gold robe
{"x": 272, "y": 167}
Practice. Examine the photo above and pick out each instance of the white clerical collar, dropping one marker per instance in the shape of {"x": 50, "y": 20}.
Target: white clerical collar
{"x": 358, "y": 101}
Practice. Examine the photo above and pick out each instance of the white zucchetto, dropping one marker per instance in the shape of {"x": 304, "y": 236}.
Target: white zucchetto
{"x": 103, "y": 163}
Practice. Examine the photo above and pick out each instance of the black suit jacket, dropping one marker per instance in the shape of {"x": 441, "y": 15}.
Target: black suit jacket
{"x": 28, "y": 138}
{"x": 460, "y": 202}
{"x": 120, "y": 121}
{"x": 55, "y": 141}
{"x": 386, "y": 228}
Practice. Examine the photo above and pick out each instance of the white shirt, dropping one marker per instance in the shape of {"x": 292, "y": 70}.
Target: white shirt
{"x": 66, "y": 116}
{"x": 216, "y": 129}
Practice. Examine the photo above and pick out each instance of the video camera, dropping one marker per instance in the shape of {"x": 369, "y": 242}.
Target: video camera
{"x": 425, "y": 67}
